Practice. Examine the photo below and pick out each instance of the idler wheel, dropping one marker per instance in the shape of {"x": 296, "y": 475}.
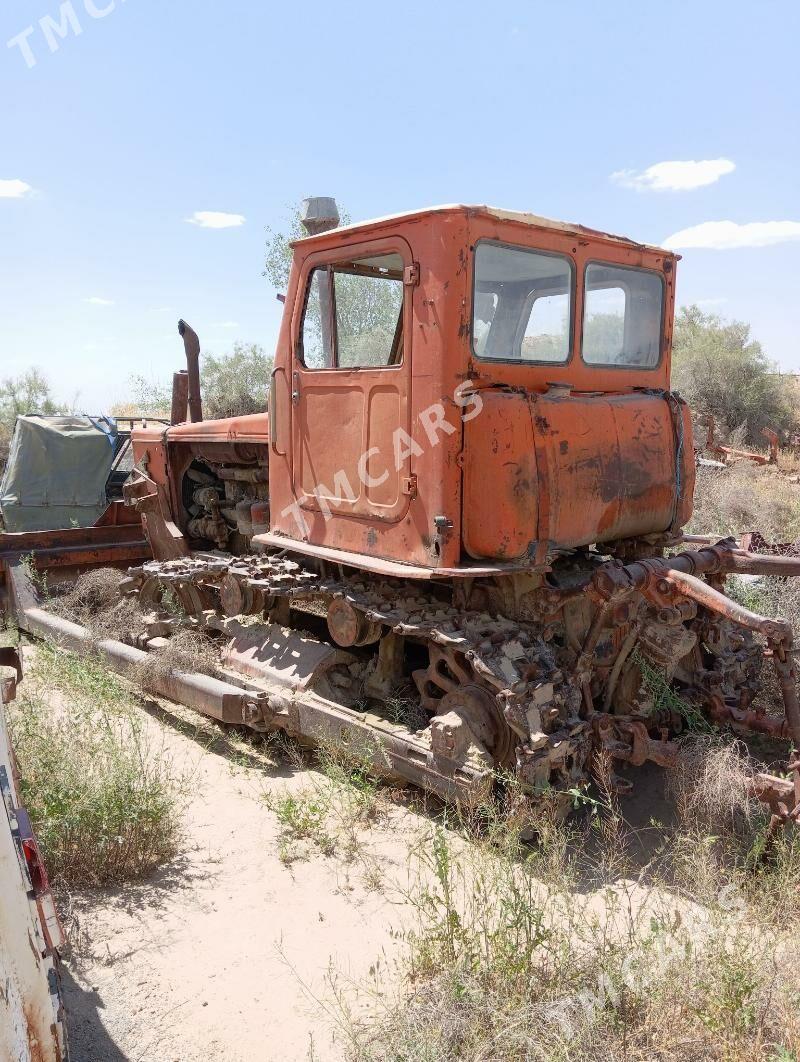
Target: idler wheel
{"x": 238, "y": 598}
{"x": 233, "y": 596}
{"x": 349, "y": 627}
{"x": 150, "y": 594}
{"x": 478, "y": 710}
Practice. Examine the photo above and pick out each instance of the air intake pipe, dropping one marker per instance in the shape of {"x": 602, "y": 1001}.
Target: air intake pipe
{"x": 191, "y": 344}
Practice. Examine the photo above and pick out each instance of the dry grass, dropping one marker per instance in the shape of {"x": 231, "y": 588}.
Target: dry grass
{"x": 519, "y": 954}
{"x": 102, "y": 793}
{"x": 188, "y": 649}
{"x": 94, "y": 602}
{"x": 746, "y": 497}
{"x": 710, "y": 785}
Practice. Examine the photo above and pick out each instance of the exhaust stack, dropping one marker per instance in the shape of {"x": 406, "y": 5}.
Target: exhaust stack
{"x": 191, "y": 344}
{"x": 319, "y": 214}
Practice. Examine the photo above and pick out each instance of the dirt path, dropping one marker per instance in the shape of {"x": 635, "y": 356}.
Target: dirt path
{"x": 227, "y": 953}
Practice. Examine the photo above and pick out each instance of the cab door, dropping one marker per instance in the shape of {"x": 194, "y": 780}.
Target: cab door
{"x": 351, "y": 371}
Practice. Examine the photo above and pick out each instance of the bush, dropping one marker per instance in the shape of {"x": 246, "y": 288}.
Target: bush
{"x": 235, "y": 384}
{"x": 231, "y": 385}
{"x": 103, "y": 797}
{"x": 719, "y": 369}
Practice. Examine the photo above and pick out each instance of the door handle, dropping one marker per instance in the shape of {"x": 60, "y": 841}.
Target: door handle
{"x": 295, "y": 388}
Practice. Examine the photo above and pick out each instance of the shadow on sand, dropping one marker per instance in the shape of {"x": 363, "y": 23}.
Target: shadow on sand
{"x": 89, "y": 1040}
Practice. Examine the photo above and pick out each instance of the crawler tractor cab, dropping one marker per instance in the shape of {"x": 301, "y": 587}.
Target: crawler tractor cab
{"x": 466, "y": 389}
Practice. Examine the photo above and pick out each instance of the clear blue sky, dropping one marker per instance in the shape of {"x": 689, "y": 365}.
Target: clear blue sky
{"x": 156, "y": 111}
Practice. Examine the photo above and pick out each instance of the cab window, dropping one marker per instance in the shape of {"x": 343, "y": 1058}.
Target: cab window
{"x": 622, "y": 316}
{"x": 353, "y": 316}
{"x": 522, "y": 305}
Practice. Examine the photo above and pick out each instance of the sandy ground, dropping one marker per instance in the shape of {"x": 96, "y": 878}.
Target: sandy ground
{"x": 228, "y": 953}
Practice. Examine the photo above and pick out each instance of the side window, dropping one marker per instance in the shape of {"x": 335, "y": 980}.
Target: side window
{"x": 546, "y": 335}
{"x": 354, "y": 315}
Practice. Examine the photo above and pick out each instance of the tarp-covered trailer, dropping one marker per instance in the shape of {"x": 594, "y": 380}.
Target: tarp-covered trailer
{"x": 60, "y": 472}
{"x": 61, "y": 497}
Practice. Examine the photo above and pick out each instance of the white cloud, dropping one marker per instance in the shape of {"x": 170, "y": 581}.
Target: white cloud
{"x": 15, "y": 189}
{"x": 216, "y": 219}
{"x": 708, "y": 303}
{"x": 95, "y": 300}
{"x": 674, "y": 176}
{"x": 729, "y": 235}
{"x": 226, "y": 324}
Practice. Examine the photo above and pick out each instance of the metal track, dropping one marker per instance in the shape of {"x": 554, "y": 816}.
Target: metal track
{"x": 548, "y": 742}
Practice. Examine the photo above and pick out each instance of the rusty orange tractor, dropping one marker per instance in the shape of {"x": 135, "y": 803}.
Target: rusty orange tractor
{"x": 455, "y": 540}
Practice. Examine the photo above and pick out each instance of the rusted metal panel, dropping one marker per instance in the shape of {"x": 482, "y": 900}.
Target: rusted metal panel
{"x": 251, "y": 428}
{"x": 71, "y": 538}
{"x": 397, "y": 569}
{"x": 433, "y": 367}
{"x": 611, "y": 465}
{"x": 501, "y": 485}
{"x": 340, "y": 414}
{"x": 517, "y": 217}
{"x": 76, "y": 549}
{"x": 570, "y": 470}
{"x": 31, "y": 1017}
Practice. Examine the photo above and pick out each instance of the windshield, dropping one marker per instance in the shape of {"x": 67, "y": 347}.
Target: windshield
{"x": 622, "y": 316}
{"x": 522, "y": 305}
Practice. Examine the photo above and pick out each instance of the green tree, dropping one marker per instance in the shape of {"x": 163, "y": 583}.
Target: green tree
{"x": 721, "y": 370}
{"x": 28, "y": 393}
{"x": 232, "y": 385}
{"x": 149, "y": 398}
{"x": 235, "y": 384}
{"x": 278, "y": 257}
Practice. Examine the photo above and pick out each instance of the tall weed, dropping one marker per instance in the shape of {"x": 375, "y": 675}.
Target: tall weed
{"x": 103, "y": 795}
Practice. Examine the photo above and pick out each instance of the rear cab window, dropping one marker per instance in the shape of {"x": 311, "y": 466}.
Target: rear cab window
{"x": 622, "y": 316}
{"x": 522, "y": 305}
